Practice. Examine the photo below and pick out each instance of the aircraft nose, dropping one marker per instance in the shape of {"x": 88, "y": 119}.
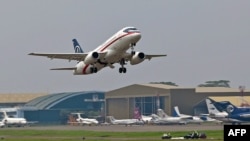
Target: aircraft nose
{"x": 137, "y": 36}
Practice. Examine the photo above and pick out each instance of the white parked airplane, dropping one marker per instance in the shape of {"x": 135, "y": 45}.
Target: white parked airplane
{"x": 11, "y": 121}
{"x": 163, "y": 118}
{"x": 146, "y": 119}
{"x": 2, "y": 124}
{"x": 125, "y": 122}
{"x": 188, "y": 118}
{"x": 112, "y": 51}
{"x": 84, "y": 121}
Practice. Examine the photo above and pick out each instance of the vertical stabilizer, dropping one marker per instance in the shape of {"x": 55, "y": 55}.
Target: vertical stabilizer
{"x": 211, "y": 108}
{"x": 77, "y": 46}
{"x": 111, "y": 119}
{"x": 161, "y": 113}
{"x": 5, "y": 114}
{"x": 176, "y": 112}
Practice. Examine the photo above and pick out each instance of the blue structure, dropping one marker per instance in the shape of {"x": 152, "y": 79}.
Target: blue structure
{"x": 55, "y": 108}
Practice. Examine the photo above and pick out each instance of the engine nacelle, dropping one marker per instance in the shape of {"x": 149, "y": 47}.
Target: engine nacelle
{"x": 137, "y": 58}
{"x": 91, "y": 58}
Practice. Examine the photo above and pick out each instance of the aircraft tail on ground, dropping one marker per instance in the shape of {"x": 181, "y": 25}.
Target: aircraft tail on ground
{"x": 77, "y": 46}
{"x": 111, "y": 119}
{"x": 161, "y": 113}
{"x": 176, "y": 112}
{"x": 5, "y": 114}
{"x": 230, "y": 108}
{"x": 210, "y": 107}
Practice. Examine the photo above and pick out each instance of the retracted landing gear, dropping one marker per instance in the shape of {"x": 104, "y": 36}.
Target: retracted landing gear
{"x": 122, "y": 69}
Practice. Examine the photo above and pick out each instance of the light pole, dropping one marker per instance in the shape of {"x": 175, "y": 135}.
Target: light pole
{"x": 242, "y": 88}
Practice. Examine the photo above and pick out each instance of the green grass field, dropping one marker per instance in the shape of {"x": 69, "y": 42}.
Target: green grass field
{"x": 78, "y": 135}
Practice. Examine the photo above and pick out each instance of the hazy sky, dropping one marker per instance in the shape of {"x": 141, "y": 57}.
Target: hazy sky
{"x": 204, "y": 40}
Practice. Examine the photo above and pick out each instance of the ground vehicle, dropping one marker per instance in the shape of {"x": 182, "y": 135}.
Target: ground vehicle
{"x": 166, "y": 136}
{"x": 195, "y": 135}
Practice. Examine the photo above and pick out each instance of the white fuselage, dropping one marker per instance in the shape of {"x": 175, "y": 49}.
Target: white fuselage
{"x": 167, "y": 120}
{"x": 86, "y": 120}
{"x": 125, "y": 121}
{"x": 115, "y": 48}
{"x": 15, "y": 121}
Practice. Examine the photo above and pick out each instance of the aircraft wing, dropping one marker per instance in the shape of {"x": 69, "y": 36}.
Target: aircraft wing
{"x": 245, "y": 115}
{"x": 32, "y": 122}
{"x": 67, "y": 56}
{"x": 72, "y": 68}
{"x": 128, "y": 56}
{"x": 151, "y": 56}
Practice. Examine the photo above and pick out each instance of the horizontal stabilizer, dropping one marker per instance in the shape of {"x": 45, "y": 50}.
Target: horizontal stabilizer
{"x": 72, "y": 68}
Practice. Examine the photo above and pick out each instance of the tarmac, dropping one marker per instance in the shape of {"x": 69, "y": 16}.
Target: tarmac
{"x": 123, "y": 128}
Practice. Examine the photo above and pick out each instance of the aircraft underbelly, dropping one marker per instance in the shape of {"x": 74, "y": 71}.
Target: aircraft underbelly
{"x": 83, "y": 69}
{"x": 116, "y": 51}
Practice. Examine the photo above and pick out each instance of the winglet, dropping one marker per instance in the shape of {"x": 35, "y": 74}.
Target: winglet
{"x": 77, "y": 46}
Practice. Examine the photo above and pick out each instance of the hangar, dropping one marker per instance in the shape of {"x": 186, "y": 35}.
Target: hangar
{"x": 19, "y": 99}
{"x": 55, "y": 108}
{"x": 121, "y": 102}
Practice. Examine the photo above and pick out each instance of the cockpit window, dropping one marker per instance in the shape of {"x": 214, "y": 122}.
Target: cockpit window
{"x": 132, "y": 29}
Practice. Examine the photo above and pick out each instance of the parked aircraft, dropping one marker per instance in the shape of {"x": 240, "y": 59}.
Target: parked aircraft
{"x": 213, "y": 111}
{"x": 2, "y": 124}
{"x": 146, "y": 119}
{"x": 139, "y": 116}
{"x": 12, "y": 121}
{"x": 217, "y": 114}
{"x": 163, "y": 118}
{"x": 112, "y": 51}
{"x": 188, "y": 118}
{"x": 235, "y": 114}
{"x": 125, "y": 122}
{"x": 84, "y": 121}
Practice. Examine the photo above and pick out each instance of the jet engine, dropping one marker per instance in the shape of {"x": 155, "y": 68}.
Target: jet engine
{"x": 91, "y": 58}
{"x": 137, "y": 58}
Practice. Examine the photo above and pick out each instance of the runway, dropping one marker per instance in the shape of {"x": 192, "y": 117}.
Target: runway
{"x": 123, "y": 128}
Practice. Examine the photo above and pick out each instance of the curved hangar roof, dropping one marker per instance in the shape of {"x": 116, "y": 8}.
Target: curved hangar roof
{"x": 70, "y": 99}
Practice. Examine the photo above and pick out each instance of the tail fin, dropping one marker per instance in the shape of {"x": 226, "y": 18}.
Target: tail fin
{"x": 137, "y": 114}
{"x": 77, "y": 47}
{"x": 228, "y": 107}
{"x": 79, "y": 115}
{"x": 211, "y": 107}
{"x": 161, "y": 113}
{"x": 5, "y": 114}
{"x": 176, "y": 112}
{"x": 111, "y": 119}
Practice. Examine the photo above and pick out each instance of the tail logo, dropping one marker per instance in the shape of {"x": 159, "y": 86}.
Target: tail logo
{"x": 78, "y": 49}
{"x": 230, "y": 108}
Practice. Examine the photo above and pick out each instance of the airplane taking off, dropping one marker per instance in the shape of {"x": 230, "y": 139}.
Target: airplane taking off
{"x": 112, "y": 51}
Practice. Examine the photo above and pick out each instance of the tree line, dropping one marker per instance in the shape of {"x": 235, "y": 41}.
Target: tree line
{"x": 218, "y": 83}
